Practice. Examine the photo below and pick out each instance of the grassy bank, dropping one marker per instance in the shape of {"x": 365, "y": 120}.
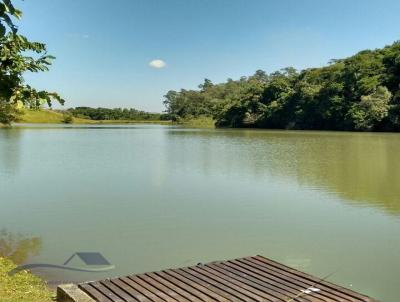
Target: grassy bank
{"x": 55, "y": 117}
{"x": 22, "y": 286}
{"x": 200, "y": 122}
{"x": 48, "y": 117}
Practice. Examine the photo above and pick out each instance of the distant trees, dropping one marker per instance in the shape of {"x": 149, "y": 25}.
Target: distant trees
{"x": 361, "y": 92}
{"x": 372, "y": 109}
{"x": 17, "y": 56}
{"x": 115, "y": 114}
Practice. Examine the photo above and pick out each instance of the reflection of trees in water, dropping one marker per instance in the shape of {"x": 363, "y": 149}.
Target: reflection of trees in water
{"x": 363, "y": 168}
{"x": 17, "y": 247}
{"x": 9, "y": 149}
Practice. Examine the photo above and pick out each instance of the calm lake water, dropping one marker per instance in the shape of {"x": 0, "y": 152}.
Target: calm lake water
{"x": 152, "y": 197}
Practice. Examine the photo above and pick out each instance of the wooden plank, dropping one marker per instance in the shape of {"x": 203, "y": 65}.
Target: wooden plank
{"x": 227, "y": 292}
{"x": 264, "y": 288}
{"x": 239, "y": 284}
{"x": 186, "y": 285}
{"x": 94, "y": 293}
{"x": 280, "y": 281}
{"x": 235, "y": 284}
{"x": 204, "y": 289}
{"x": 152, "y": 289}
{"x": 250, "y": 279}
{"x": 118, "y": 291}
{"x": 201, "y": 286}
{"x": 305, "y": 283}
{"x": 162, "y": 288}
{"x": 175, "y": 288}
{"x": 131, "y": 291}
{"x": 257, "y": 281}
{"x": 105, "y": 291}
{"x": 287, "y": 279}
{"x": 141, "y": 289}
{"x": 326, "y": 283}
{"x": 349, "y": 294}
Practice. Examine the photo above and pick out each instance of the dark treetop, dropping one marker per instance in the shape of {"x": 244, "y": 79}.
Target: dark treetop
{"x": 115, "y": 114}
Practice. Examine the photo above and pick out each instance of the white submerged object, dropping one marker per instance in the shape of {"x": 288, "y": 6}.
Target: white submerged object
{"x": 310, "y": 290}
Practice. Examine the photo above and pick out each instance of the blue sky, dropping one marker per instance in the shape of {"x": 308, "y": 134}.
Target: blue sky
{"x": 104, "y": 48}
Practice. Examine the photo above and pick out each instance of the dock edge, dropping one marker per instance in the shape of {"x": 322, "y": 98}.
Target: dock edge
{"x": 72, "y": 293}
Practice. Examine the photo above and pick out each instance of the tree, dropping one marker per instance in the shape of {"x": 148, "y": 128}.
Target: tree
{"x": 14, "y": 62}
{"x": 361, "y": 92}
{"x": 206, "y": 85}
{"x": 371, "y": 110}
{"x": 67, "y": 118}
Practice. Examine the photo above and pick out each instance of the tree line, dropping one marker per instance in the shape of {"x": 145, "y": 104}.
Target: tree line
{"x": 361, "y": 92}
{"x": 115, "y": 114}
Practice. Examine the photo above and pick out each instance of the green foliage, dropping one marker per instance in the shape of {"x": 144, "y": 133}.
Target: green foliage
{"x": 8, "y": 112}
{"x": 18, "y": 55}
{"x": 115, "y": 114}
{"x": 198, "y": 122}
{"x": 67, "y": 118}
{"x": 372, "y": 109}
{"x": 361, "y": 92}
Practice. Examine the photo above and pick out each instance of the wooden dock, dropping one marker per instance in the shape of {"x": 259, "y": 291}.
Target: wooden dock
{"x": 242, "y": 280}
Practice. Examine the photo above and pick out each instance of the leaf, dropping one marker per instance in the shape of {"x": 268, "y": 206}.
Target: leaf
{"x": 9, "y": 6}
{"x": 9, "y": 22}
{"x": 2, "y": 30}
{"x": 2, "y": 9}
{"x": 17, "y": 14}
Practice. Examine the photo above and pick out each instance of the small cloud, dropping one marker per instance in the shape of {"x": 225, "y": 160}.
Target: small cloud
{"x": 157, "y": 64}
{"x": 77, "y": 36}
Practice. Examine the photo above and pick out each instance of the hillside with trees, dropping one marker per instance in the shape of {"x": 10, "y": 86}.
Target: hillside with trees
{"x": 104, "y": 114}
{"x": 360, "y": 93}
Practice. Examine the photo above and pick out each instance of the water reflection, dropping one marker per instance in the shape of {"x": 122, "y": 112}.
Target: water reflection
{"x": 17, "y": 247}
{"x": 157, "y": 197}
{"x": 361, "y": 167}
{"x": 10, "y": 139}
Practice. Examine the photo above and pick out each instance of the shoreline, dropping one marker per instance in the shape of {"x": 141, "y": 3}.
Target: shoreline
{"x": 94, "y": 122}
{"x": 16, "y": 287}
{"x": 48, "y": 116}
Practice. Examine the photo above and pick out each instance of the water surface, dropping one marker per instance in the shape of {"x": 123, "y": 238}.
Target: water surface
{"x": 150, "y": 197}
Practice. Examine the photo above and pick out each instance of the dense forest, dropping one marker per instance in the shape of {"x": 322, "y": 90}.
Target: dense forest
{"x": 361, "y": 92}
{"x": 115, "y": 114}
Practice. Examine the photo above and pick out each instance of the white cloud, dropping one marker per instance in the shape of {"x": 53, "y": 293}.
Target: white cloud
{"x": 157, "y": 64}
{"x": 77, "y": 36}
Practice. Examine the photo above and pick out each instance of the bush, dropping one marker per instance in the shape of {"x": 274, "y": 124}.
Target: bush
{"x": 67, "y": 118}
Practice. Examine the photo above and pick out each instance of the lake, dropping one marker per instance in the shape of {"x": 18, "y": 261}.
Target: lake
{"x": 149, "y": 197}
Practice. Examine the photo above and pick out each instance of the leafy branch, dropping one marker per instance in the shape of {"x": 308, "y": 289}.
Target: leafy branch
{"x": 17, "y": 56}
